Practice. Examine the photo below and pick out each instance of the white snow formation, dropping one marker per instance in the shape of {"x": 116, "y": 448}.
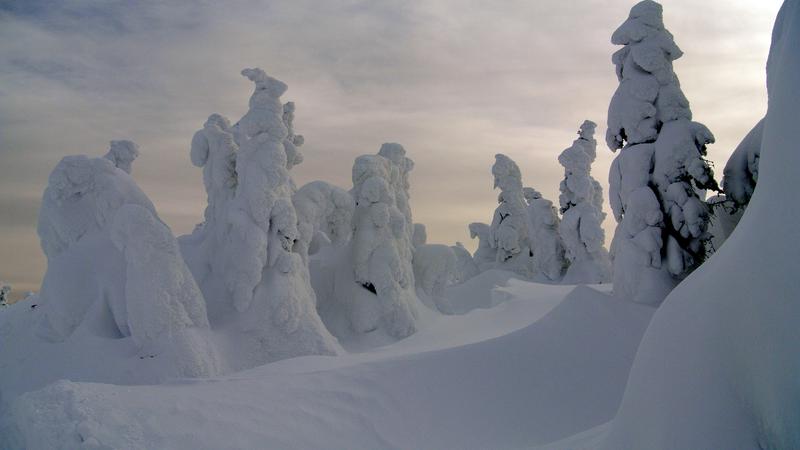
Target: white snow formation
{"x": 249, "y": 256}
{"x": 122, "y": 153}
{"x": 114, "y": 269}
{"x": 466, "y": 267}
{"x": 547, "y": 248}
{"x": 658, "y": 178}
{"x": 5, "y": 293}
{"x": 508, "y": 233}
{"x": 581, "y": 203}
{"x": 738, "y": 184}
{"x": 324, "y": 214}
{"x": 434, "y": 265}
{"x": 717, "y": 368}
{"x": 381, "y": 247}
{"x": 485, "y": 255}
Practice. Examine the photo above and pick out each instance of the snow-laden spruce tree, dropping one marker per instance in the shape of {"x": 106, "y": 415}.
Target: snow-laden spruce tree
{"x": 508, "y": 233}
{"x": 582, "y": 212}
{"x": 434, "y": 266}
{"x": 324, "y": 215}
{"x": 213, "y": 148}
{"x": 738, "y": 183}
{"x": 546, "y": 246}
{"x": 113, "y": 267}
{"x": 5, "y": 293}
{"x": 381, "y": 248}
{"x": 267, "y": 283}
{"x": 466, "y": 267}
{"x": 485, "y": 255}
{"x": 658, "y": 178}
{"x": 122, "y": 153}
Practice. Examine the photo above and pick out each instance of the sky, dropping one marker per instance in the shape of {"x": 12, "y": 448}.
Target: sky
{"x": 455, "y": 82}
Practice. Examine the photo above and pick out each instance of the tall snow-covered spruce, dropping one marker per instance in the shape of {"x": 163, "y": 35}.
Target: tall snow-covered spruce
{"x": 508, "y": 233}
{"x": 245, "y": 256}
{"x": 657, "y": 181}
{"x": 581, "y": 203}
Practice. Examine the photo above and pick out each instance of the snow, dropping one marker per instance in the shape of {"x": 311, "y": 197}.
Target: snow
{"x": 488, "y": 379}
{"x": 322, "y": 318}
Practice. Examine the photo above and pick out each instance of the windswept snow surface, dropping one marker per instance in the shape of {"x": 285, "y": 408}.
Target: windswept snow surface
{"x": 545, "y": 363}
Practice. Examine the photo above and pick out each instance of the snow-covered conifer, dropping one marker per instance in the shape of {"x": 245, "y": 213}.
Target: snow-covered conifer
{"x": 5, "y": 293}
{"x": 546, "y": 245}
{"x": 328, "y": 212}
{"x": 582, "y": 215}
{"x": 466, "y": 267}
{"x": 213, "y": 148}
{"x": 485, "y": 255}
{"x": 122, "y": 153}
{"x": 509, "y": 230}
{"x": 738, "y": 183}
{"x": 663, "y": 153}
{"x": 164, "y": 311}
{"x": 292, "y": 141}
{"x": 434, "y": 265}
{"x": 267, "y": 281}
{"x": 381, "y": 246}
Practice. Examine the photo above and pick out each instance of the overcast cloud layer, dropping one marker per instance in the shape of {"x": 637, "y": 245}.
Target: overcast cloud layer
{"x": 454, "y": 81}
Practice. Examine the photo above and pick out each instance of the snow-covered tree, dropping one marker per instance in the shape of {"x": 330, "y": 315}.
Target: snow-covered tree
{"x": 5, "y": 293}
{"x": 112, "y": 264}
{"x": 122, "y": 153}
{"x": 466, "y": 267}
{"x": 485, "y": 255}
{"x": 582, "y": 215}
{"x": 434, "y": 265}
{"x": 657, "y": 181}
{"x": 508, "y": 233}
{"x": 250, "y": 255}
{"x": 546, "y": 246}
{"x": 268, "y": 283}
{"x": 164, "y": 312}
{"x": 327, "y": 211}
{"x": 213, "y": 148}
{"x": 738, "y": 183}
{"x": 381, "y": 246}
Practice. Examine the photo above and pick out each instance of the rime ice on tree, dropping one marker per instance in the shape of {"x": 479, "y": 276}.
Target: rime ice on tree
{"x": 122, "y": 153}
{"x": 656, "y": 181}
{"x": 546, "y": 246}
{"x": 582, "y": 214}
{"x": 485, "y": 255}
{"x": 249, "y": 255}
{"x": 508, "y": 233}
{"x": 381, "y": 244}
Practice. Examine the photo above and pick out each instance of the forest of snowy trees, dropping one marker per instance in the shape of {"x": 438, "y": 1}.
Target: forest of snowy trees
{"x": 285, "y": 271}
{"x": 276, "y": 270}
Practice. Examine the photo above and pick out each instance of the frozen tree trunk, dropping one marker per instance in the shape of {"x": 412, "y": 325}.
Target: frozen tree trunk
{"x": 581, "y": 224}
{"x": 658, "y": 180}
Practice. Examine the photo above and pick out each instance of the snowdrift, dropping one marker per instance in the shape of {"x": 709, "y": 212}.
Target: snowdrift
{"x": 470, "y": 381}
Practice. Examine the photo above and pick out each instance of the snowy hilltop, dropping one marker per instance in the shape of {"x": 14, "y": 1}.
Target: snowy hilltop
{"x": 321, "y": 316}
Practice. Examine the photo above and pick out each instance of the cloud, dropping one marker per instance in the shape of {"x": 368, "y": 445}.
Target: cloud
{"x": 455, "y": 82}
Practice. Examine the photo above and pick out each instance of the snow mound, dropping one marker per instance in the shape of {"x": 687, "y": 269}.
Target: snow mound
{"x": 548, "y": 379}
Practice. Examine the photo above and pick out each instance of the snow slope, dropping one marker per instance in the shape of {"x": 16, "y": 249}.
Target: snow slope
{"x": 547, "y": 362}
